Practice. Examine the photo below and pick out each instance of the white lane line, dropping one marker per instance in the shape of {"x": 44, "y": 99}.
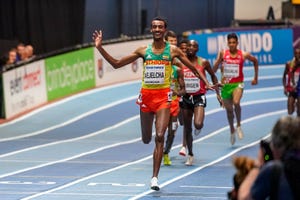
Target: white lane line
{"x": 150, "y": 157}
{"x": 120, "y": 124}
{"x": 81, "y": 154}
{"x": 86, "y": 93}
{"x": 73, "y": 139}
{"x": 69, "y": 121}
{"x": 65, "y": 100}
{"x": 199, "y": 168}
{"x": 264, "y": 78}
{"x": 205, "y": 186}
{"x": 111, "y": 105}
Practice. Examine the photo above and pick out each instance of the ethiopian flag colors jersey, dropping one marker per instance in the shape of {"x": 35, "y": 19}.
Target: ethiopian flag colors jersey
{"x": 157, "y": 69}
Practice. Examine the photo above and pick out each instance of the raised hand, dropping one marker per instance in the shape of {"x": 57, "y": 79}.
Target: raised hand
{"x": 97, "y": 37}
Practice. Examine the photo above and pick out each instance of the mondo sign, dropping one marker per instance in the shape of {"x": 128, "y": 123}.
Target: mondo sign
{"x": 266, "y": 45}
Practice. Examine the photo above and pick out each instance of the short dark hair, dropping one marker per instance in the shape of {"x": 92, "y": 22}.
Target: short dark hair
{"x": 159, "y": 18}
{"x": 184, "y": 41}
{"x": 232, "y": 35}
{"x": 170, "y": 34}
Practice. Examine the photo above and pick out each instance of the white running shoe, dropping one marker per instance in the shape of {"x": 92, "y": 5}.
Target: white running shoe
{"x": 239, "y": 132}
{"x": 154, "y": 184}
{"x": 197, "y": 132}
{"x": 189, "y": 161}
{"x": 182, "y": 151}
{"x": 232, "y": 138}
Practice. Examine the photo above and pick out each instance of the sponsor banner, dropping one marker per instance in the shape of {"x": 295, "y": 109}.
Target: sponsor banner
{"x": 274, "y": 46}
{"x": 70, "y": 73}
{"x": 106, "y": 74}
{"x": 24, "y": 88}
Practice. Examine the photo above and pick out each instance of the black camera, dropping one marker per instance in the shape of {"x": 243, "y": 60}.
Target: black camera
{"x": 266, "y": 150}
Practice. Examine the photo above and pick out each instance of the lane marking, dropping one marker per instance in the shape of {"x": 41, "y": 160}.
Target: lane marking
{"x": 201, "y": 167}
{"x": 69, "y": 121}
{"x": 92, "y": 91}
{"x": 120, "y": 124}
{"x": 67, "y": 99}
{"x": 150, "y": 157}
{"x": 111, "y": 105}
{"x": 206, "y": 187}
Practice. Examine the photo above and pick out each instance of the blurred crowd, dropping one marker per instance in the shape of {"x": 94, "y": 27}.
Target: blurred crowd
{"x": 21, "y": 53}
{"x": 275, "y": 173}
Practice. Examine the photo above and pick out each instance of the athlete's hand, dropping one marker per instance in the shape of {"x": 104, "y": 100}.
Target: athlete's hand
{"x": 97, "y": 37}
{"x": 219, "y": 85}
{"x": 210, "y": 87}
{"x": 216, "y": 86}
{"x": 254, "y": 81}
{"x": 220, "y": 100}
{"x": 285, "y": 92}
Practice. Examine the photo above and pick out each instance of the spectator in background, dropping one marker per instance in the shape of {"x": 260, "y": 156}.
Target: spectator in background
{"x": 12, "y": 56}
{"x": 278, "y": 178}
{"x": 30, "y": 51}
{"x": 243, "y": 165}
{"x": 9, "y": 58}
{"x": 20, "y": 50}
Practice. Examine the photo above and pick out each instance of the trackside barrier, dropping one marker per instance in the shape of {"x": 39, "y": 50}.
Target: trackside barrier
{"x": 33, "y": 84}
{"x": 269, "y": 46}
{"x": 57, "y": 75}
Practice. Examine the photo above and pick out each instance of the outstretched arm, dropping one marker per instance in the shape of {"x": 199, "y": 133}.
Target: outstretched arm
{"x": 255, "y": 64}
{"x": 97, "y": 37}
{"x": 218, "y": 61}
{"x": 285, "y": 72}
{"x": 181, "y": 56}
{"x": 181, "y": 91}
{"x": 214, "y": 79}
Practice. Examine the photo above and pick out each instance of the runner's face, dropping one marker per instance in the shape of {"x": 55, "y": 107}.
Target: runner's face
{"x": 297, "y": 54}
{"x": 172, "y": 40}
{"x": 158, "y": 29}
{"x": 192, "y": 48}
{"x": 183, "y": 47}
{"x": 232, "y": 44}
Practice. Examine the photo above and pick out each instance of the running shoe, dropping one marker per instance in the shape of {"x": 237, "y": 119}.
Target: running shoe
{"x": 197, "y": 132}
{"x": 189, "y": 161}
{"x": 167, "y": 160}
{"x": 232, "y": 138}
{"x": 154, "y": 184}
{"x": 239, "y": 132}
{"x": 182, "y": 151}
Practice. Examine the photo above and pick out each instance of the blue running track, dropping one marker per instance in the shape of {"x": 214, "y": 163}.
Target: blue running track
{"x": 88, "y": 146}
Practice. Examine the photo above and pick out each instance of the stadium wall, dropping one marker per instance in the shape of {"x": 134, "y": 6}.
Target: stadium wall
{"x": 55, "y": 76}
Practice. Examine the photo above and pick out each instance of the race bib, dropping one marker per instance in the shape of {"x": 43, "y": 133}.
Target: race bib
{"x": 192, "y": 85}
{"x": 231, "y": 70}
{"x": 154, "y": 74}
{"x": 296, "y": 77}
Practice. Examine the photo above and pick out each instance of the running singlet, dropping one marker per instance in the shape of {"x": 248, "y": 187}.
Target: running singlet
{"x": 174, "y": 81}
{"x": 194, "y": 85}
{"x": 289, "y": 83}
{"x": 233, "y": 67}
{"x": 297, "y": 78}
{"x": 157, "y": 69}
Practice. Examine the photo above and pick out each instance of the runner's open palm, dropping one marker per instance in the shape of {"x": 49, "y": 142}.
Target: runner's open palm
{"x": 97, "y": 37}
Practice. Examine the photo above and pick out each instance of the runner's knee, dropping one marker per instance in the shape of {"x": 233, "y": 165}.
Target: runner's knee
{"x": 159, "y": 138}
{"x": 198, "y": 125}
